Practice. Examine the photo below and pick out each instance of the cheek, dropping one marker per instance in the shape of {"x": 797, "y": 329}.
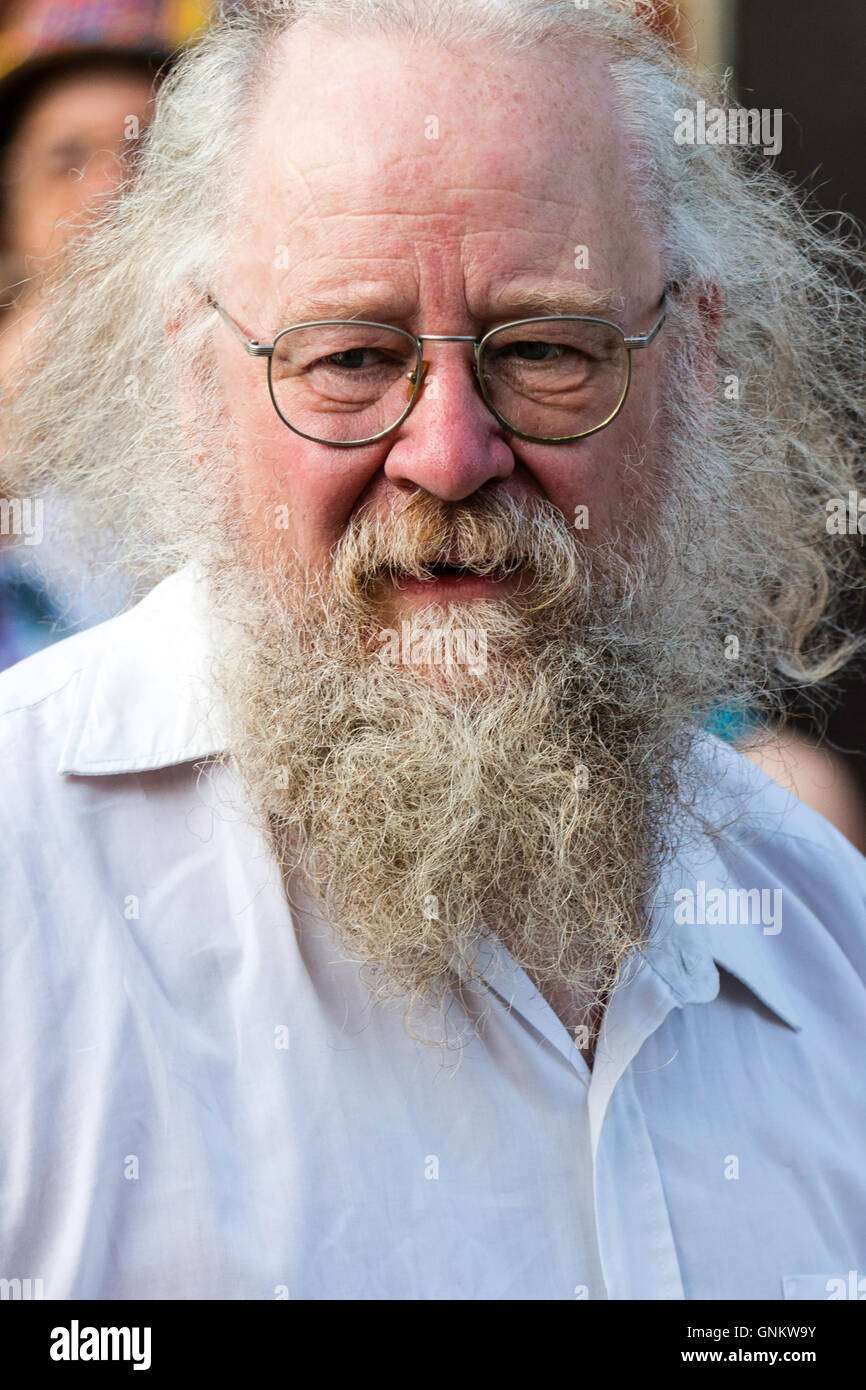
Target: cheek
{"x": 584, "y": 480}
{"x": 61, "y": 201}
{"x": 291, "y": 492}
{"x": 598, "y": 482}
{"x": 33, "y": 208}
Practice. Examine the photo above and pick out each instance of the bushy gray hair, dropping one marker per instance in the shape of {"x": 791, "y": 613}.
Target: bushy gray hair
{"x": 99, "y": 416}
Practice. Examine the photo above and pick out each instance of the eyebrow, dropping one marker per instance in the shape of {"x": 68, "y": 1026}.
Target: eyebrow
{"x": 524, "y": 303}
{"x": 342, "y": 304}
{"x": 309, "y": 310}
{"x": 510, "y": 303}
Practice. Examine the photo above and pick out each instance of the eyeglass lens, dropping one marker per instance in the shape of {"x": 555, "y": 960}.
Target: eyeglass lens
{"x": 345, "y": 383}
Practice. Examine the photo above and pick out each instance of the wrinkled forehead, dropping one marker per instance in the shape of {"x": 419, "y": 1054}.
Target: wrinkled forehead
{"x": 369, "y": 155}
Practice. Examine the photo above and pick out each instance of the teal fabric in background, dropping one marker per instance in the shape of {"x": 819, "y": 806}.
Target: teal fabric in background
{"x": 730, "y": 723}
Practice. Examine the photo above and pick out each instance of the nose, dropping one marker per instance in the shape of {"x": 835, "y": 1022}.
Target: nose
{"x": 449, "y": 444}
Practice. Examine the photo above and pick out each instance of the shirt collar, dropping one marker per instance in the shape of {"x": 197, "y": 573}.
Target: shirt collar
{"x": 145, "y": 701}
{"x": 687, "y": 954}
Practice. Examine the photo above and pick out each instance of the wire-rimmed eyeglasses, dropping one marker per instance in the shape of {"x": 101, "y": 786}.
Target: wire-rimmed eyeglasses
{"x": 551, "y": 379}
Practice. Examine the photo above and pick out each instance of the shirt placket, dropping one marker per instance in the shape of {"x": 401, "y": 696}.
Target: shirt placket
{"x": 635, "y": 1240}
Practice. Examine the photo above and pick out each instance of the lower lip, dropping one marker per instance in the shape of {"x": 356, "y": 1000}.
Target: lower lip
{"x": 464, "y": 586}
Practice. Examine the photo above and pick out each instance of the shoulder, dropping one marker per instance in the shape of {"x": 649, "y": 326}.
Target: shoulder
{"x": 43, "y": 819}
{"x": 770, "y": 840}
{"x": 45, "y": 676}
{"x": 128, "y": 695}
{"x": 38, "y": 697}
{"x": 750, "y": 806}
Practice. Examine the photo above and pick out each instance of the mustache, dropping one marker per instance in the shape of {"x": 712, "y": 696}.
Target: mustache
{"x": 485, "y": 534}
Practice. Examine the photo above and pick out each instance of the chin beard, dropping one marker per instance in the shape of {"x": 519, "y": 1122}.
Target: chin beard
{"x": 424, "y": 797}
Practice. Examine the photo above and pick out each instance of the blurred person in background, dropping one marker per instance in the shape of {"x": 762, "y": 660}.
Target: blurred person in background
{"x": 76, "y": 92}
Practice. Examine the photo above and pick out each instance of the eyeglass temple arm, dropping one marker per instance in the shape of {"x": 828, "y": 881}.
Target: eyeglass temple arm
{"x": 257, "y": 349}
{"x": 252, "y": 345}
{"x": 643, "y": 340}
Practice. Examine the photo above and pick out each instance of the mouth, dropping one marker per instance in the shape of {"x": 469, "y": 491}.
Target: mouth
{"x": 448, "y": 577}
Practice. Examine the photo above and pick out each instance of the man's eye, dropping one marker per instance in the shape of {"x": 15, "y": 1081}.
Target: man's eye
{"x": 532, "y": 351}
{"x": 352, "y": 359}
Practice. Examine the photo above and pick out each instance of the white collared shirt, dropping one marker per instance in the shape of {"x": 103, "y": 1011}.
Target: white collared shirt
{"x": 200, "y": 1099}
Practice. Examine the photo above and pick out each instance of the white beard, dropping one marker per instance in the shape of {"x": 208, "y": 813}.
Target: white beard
{"x": 422, "y": 804}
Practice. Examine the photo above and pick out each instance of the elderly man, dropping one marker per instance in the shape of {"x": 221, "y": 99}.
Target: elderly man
{"x": 378, "y": 921}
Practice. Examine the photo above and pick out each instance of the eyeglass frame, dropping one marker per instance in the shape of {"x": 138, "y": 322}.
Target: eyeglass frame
{"x": 418, "y": 376}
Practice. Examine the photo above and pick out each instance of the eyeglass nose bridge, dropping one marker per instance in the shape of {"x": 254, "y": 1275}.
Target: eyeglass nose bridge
{"x": 412, "y": 377}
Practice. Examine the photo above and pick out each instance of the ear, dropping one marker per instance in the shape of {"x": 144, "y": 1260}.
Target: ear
{"x": 180, "y": 304}
{"x": 703, "y": 305}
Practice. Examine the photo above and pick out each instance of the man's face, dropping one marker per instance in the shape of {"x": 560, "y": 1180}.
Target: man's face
{"x": 68, "y": 154}
{"x": 441, "y": 194}
{"x": 446, "y": 193}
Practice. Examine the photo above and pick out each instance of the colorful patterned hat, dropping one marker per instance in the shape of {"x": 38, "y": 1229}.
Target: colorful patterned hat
{"x": 41, "y": 37}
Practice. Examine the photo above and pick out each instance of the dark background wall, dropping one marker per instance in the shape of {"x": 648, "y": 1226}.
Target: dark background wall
{"x": 809, "y": 58}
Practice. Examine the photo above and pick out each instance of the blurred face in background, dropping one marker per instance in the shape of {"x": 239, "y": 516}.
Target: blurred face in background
{"x": 69, "y": 152}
